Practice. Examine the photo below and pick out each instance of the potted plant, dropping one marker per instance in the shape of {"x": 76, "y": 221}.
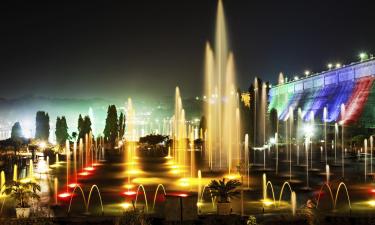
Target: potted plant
{"x": 224, "y": 191}
{"x": 22, "y": 193}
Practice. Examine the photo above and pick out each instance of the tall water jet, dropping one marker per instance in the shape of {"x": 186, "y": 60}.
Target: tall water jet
{"x": 75, "y": 161}
{"x": 327, "y": 173}
{"x": 291, "y": 119}
{"x": 264, "y": 186}
{"x": 179, "y": 131}
{"x": 342, "y": 140}
{"x": 55, "y": 185}
{"x": 307, "y": 144}
{"x": 131, "y": 134}
{"x": 15, "y": 172}
{"x": 281, "y": 78}
{"x": 222, "y": 100}
{"x": 336, "y": 133}
{"x": 277, "y": 153}
{"x": 365, "y": 146}
{"x": 67, "y": 152}
{"x": 371, "y": 149}
{"x": 2, "y": 183}
{"x": 31, "y": 169}
{"x": 247, "y": 164}
{"x": 325, "y": 114}
{"x": 294, "y": 203}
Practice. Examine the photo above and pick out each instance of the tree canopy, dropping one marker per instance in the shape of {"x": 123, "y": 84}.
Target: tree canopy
{"x": 42, "y": 126}
{"x": 111, "y": 125}
{"x": 61, "y": 131}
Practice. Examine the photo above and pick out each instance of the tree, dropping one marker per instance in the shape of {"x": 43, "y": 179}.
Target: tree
{"x": 224, "y": 190}
{"x": 80, "y": 127}
{"x": 153, "y": 139}
{"x": 16, "y": 133}
{"x": 84, "y": 126}
{"x": 121, "y": 125}
{"x": 42, "y": 126}
{"x": 61, "y": 131}
{"x": 111, "y": 125}
{"x": 16, "y": 137}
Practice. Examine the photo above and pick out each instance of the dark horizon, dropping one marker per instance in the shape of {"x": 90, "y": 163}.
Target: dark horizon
{"x": 144, "y": 49}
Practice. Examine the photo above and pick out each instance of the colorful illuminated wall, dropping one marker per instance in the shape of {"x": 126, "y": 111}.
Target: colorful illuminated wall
{"x": 352, "y": 85}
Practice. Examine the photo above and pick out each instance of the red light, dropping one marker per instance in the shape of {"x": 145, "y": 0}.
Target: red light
{"x": 183, "y": 195}
{"x": 372, "y": 191}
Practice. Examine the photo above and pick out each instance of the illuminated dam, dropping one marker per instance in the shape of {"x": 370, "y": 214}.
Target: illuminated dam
{"x": 352, "y": 86}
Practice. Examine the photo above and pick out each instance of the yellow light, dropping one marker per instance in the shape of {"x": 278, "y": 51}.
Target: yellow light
{"x": 232, "y": 176}
{"x": 267, "y": 202}
{"x": 199, "y": 204}
{"x": 25, "y": 180}
{"x": 125, "y": 205}
{"x": 133, "y": 172}
{"x": 175, "y": 171}
{"x": 371, "y": 203}
{"x": 184, "y": 182}
{"x": 128, "y": 186}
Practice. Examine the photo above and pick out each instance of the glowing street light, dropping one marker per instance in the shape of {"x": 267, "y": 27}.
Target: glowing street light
{"x": 330, "y": 65}
{"x": 338, "y": 65}
{"x": 363, "y": 56}
{"x": 307, "y": 72}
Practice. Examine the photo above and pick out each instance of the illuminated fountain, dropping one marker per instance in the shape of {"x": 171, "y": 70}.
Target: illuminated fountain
{"x": 221, "y": 108}
{"x": 325, "y": 116}
{"x": 365, "y": 146}
{"x": 371, "y": 149}
{"x": 179, "y": 133}
{"x": 15, "y": 172}
{"x": 31, "y": 169}
{"x": 2, "y": 183}
{"x": 131, "y": 145}
{"x": 342, "y": 140}
{"x": 334, "y": 199}
{"x": 86, "y": 202}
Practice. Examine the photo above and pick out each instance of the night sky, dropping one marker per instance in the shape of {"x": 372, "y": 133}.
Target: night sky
{"x": 145, "y": 48}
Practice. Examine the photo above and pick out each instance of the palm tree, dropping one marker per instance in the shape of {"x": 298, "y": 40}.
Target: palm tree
{"x": 21, "y": 192}
{"x": 224, "y": 190}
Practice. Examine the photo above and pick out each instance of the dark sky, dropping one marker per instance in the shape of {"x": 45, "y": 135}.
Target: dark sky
{"x": 145, "y": 48}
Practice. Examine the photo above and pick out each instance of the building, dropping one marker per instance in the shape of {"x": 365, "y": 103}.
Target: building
{"x": 349, "y": 88}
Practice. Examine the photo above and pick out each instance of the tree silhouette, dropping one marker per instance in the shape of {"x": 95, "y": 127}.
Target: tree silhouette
{"x": 42, "y": 126}
{"x": 111, "y": 125}
{"x": 61, "y": 131}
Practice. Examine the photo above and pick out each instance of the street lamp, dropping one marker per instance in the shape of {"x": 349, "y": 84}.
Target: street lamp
{"x": 330, "y": 65}
{"x": 363, "y": 56}
{"x": 338, "y": 65}
{"x": 307, "y": 73}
